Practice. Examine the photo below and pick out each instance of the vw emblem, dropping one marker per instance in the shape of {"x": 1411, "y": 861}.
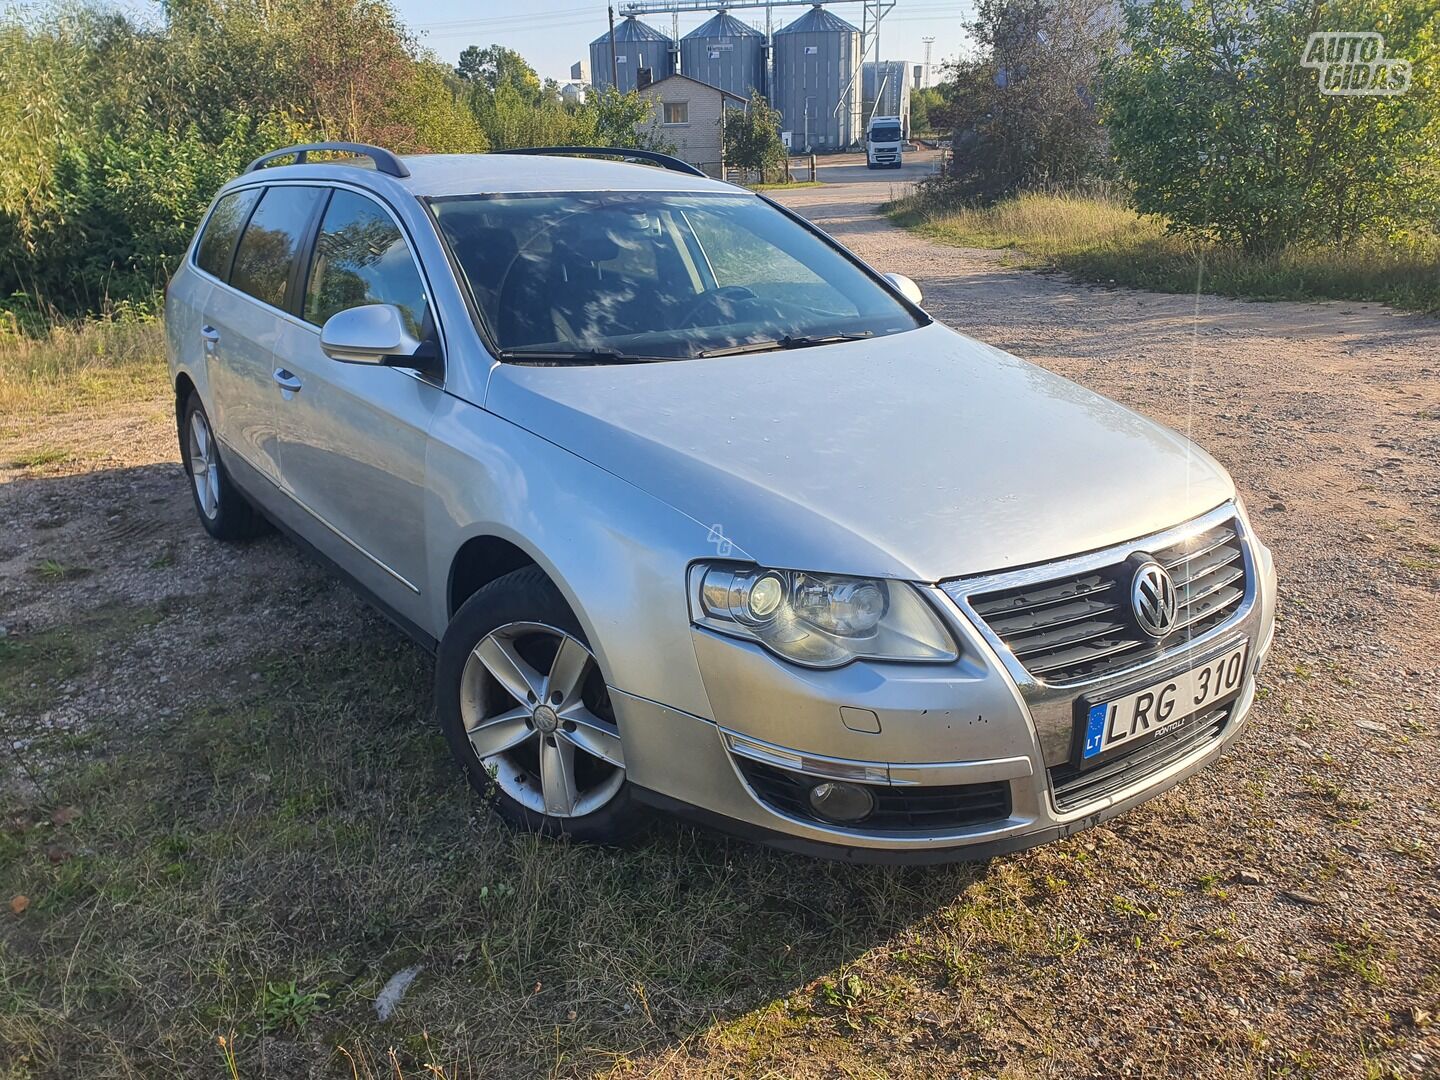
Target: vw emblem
{"x": 1153, "y": 599}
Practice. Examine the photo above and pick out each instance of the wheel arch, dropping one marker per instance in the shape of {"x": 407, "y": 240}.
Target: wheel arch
{"x": 480, "y": 560}
{"x": 184, "y": 387}
{"x": 489, "y": 555}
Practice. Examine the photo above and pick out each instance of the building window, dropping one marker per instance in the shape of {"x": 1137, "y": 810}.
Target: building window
{"x": 677, "y": 112}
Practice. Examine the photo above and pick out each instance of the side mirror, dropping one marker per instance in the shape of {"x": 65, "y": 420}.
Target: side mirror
{"x": 906, "y": 288}
{"x": 373, "y": 334}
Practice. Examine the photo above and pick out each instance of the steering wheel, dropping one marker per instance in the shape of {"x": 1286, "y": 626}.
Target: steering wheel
{"x": 725, "y": 294}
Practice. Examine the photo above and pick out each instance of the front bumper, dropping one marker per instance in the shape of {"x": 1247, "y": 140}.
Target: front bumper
{"x": 909, "y": 730}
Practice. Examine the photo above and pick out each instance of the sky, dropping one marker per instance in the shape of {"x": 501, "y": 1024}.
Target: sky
{"x": 553, "y": 34}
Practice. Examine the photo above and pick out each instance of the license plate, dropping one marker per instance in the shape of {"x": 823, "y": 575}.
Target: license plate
{"x": 1127, "y": 720}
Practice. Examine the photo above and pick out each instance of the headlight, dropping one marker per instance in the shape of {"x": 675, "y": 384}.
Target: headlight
{"x": 819, "y": 620}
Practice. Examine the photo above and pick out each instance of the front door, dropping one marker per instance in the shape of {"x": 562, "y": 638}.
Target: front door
{"x": 353, "y": 436}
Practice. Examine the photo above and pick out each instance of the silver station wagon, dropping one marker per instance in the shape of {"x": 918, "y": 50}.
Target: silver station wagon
{"x": 698, "y": 511}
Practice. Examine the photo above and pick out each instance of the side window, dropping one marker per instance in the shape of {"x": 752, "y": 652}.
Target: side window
{"x": 362, "y": 258}
{"x": 275, "y": 233}
{"x": 217, "y": 243}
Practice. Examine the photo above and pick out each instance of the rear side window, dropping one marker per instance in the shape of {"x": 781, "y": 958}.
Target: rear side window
{"x": 217, "y": 243}
{"x": 362, "y": 258}
{"x": 267, "y": 250}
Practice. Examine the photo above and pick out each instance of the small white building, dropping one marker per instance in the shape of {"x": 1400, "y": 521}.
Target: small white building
{"x": 688, "y": 115}
{"x": 573, "y": 93}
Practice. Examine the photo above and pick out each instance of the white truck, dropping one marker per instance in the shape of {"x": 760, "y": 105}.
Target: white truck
{"x": 884, "y": 137}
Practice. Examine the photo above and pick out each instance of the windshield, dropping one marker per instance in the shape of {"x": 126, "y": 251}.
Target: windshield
{"x": 885, "y": 133}
{"x": 602, "y": 276}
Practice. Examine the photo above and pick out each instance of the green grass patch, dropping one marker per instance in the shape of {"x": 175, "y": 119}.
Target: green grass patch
{"x": 38, "y": 459}
{"x": 786, "y": 187}
{"x": 56, "y": 366}
{"x": 1099, "y": 239}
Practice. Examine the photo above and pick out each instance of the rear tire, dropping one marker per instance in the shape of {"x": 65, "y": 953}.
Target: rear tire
{"x": 224, "y": 512}
{"x": 542, "y": 744}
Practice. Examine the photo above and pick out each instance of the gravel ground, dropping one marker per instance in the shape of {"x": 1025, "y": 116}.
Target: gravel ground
{"x": 1275, "y": 916}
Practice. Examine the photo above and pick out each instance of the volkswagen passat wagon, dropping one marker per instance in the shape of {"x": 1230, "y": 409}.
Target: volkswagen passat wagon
{"x": 699, "y": 511}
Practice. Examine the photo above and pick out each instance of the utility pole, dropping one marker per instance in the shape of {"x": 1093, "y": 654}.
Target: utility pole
{"x": 925, "y": 78}
{"x": 614, "y": 64}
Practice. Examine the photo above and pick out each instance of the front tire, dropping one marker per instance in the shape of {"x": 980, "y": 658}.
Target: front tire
{"x": 526, "y": 713}
{"x": 224, "y": 512}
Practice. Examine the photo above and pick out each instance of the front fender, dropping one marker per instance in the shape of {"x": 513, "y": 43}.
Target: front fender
{"x": 618, "y": 554}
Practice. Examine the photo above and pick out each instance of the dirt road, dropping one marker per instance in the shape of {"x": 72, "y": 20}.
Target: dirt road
{"x": 1275, "y": 916}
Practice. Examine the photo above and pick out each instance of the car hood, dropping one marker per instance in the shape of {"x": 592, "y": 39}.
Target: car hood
{"x": 924, "y": 455}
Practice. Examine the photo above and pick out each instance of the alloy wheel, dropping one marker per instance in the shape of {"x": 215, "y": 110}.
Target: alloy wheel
{"x": 204, "y": 465}
{"x": 547, "y": 735}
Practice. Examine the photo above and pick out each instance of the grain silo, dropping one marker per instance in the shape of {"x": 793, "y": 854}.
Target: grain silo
{"x": 638, "y": 48}
{"x": 889, "y": 79}
{"x": 724, "y": 52}
{"x": 817, "y": 60}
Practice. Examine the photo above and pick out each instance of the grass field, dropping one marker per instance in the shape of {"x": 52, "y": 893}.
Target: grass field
{"x": 1102, "y": 240}
{"x": 65, "y": 363}
{"x": 228, "y": 821}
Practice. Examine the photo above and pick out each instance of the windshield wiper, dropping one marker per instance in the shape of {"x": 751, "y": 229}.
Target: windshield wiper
{"x": 789, "y": 341}
{"x": 527, "y": 355}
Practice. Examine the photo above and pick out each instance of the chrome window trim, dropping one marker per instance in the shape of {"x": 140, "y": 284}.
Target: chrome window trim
{"x": 1039, "y": 693}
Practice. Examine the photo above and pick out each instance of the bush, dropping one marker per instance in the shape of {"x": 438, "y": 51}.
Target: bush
{"x": 1024, "y": 111}
{"x": 1221, "y": 130}
{"x": 114, "y": 138}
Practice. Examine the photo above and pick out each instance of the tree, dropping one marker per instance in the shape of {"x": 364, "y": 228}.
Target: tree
{"x": 1024, "y": 109}
{"x": 752, "y": 137}
{"x": 1220, "y": 129}
{"x": 927, "y": 110}
{"x": 497, "y": 66}
{"x": 616, "y": 119}
{"x": 114, "y": 136}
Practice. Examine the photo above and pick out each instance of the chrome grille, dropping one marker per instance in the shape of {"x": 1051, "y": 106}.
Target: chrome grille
{"x": 1080, "y": 627}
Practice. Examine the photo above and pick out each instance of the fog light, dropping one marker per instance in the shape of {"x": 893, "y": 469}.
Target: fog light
{"x": 837, "y": 801}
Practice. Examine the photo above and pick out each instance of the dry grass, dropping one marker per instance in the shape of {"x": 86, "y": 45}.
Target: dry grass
{"x": 64, "y": 363}
{"x": 256, "y": 868}
{"x": 1102, "y": 239}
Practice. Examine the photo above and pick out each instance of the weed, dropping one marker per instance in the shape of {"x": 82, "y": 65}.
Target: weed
{"x": 36, "y": 459}
{"x": 54, "y": 571}
{"x": 284, "y": 1006}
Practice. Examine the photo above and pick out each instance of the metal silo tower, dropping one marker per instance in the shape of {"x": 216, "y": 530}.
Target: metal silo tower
{"x": 637, "y": 47}
{"x": 817, "y": 59}
{"x": 724, "y": 52}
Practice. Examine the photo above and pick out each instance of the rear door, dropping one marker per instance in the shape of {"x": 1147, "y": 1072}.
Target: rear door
{"x": 353, "y": 437}
{"x": 242, "y": 322}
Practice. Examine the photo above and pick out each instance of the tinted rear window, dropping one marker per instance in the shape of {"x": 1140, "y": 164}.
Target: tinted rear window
{"x": 268, "y": 248}
{"x": 213, "y": 252}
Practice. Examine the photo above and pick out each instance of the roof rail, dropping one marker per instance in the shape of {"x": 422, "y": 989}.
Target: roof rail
{"x": 665, "y": 161}
{"x": 385, "y": 161}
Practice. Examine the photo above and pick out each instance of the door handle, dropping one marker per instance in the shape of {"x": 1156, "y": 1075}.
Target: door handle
{"x": 286, "y": 381}
{"x": 210, "y": 336}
